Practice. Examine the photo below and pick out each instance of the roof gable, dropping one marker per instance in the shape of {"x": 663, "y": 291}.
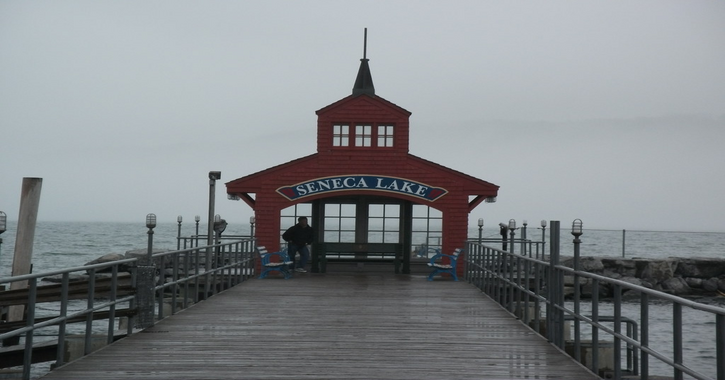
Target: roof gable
{"x": 407, "y": 167}
{"x": 349, "y": 103}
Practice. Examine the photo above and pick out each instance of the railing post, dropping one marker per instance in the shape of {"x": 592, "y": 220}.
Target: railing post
{"x": 554, "y": 316}
{"x": 595, "y": 329}
{"x": 90, "y": 299}
{"x": 30, "y": 321}
{"x": 677, "y": 338}
{"x": 466, "y": 262}
{"x": 644, "y": 336}
{"x": 537, "y": 303}
{"x": 112, "y": 308}
{"x": 543, "y": 240}
{"x": 519, "y": 292}
{"x": 720, "y": 345}
{"x": 60, "y": 352}
{"x": 618, "y": 331}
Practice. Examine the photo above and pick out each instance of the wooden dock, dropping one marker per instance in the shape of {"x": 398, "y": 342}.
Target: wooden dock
{"x": 335, "y": 326}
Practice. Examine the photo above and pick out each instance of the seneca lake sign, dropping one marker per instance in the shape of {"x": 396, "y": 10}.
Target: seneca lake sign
{"x": 362, "y": 182}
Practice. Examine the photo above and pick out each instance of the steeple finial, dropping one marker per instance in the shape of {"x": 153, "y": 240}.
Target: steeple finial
{"x": 364, "y": 81}
{"x": 365, "y": 45}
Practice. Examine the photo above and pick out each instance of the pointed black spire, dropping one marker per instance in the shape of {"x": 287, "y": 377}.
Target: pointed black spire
{"x": 364, "y": 81}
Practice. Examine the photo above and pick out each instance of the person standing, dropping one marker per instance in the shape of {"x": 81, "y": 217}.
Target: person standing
{"x": 504, "y": 234}
{"x": 298, "y": 237}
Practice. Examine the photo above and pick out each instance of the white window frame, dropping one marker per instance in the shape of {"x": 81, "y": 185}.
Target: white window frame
{"x": 363, "y": 135}
{"x": 385, "y": 136}
{"x": 341, "y": 135}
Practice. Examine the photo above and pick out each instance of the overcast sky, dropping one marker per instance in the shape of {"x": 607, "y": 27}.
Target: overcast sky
{"x": 608, "y": 111}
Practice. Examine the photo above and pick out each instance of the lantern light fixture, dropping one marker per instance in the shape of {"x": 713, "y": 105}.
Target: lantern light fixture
{"x": 576, "y": 227}
{"x": 151, "y": 220}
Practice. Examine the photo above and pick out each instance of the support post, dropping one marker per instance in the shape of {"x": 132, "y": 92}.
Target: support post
{"x": 25, "y": 235}
{"x": 555, "y": 324}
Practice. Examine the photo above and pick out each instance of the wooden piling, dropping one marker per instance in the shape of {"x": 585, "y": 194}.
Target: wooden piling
{"x": 25, "y": 235}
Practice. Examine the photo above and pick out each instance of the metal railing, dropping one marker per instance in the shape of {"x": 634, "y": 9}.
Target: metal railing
{"x": 534, "y": 291}
{"x": 132, "y": 294}
{"x": 523, "y": 246}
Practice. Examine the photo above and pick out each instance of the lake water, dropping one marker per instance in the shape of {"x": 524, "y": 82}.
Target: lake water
{"x": 61, "y": 245}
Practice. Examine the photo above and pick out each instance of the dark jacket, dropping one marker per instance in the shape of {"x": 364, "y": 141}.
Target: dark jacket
{"x": 299, "y": 235}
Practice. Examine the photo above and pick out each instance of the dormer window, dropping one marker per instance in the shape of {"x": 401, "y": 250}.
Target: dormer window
{"x": 363, "y": 135}
{"x": 385, "y": 135}
{"x": 340, "y": 135}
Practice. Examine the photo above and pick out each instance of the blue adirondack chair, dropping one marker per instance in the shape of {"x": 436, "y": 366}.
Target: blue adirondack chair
{"x": 271, "y": 264}
{"x": 436, "y": 262}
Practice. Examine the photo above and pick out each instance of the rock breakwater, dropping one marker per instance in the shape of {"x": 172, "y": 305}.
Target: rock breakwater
{"x": 696, "y": 276}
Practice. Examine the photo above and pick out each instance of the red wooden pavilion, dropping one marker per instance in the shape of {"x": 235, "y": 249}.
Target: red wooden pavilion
{"x": 366, "y": 196}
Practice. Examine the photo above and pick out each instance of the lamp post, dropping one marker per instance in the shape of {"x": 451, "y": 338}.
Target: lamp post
{"x": 480, "y": 230}
{"x": 197, "y": 219}
{"x": 213, "y": 177}
{"x": 512, "y": 228}
{"x": 523, "y": 238}
{"x": 150, "y": 224}
{"x": 178, "y": 233}
{"x": 543, "y": 238}
{"x": 252, "y": 220}
{"x": 3, "y": 227}
{"x": 576, "y": 230}
{"x": 145, "y": 282}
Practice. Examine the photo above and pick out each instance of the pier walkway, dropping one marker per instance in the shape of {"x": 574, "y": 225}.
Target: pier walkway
{"x": 335, "y": 326}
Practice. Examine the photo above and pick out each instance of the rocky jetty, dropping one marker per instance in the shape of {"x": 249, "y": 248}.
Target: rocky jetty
{"x": 696, "y": 276}
{"x": 132, "y": 254}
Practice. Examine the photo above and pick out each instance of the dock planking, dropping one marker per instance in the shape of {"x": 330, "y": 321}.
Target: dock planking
{"x": 335, "y": 326}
